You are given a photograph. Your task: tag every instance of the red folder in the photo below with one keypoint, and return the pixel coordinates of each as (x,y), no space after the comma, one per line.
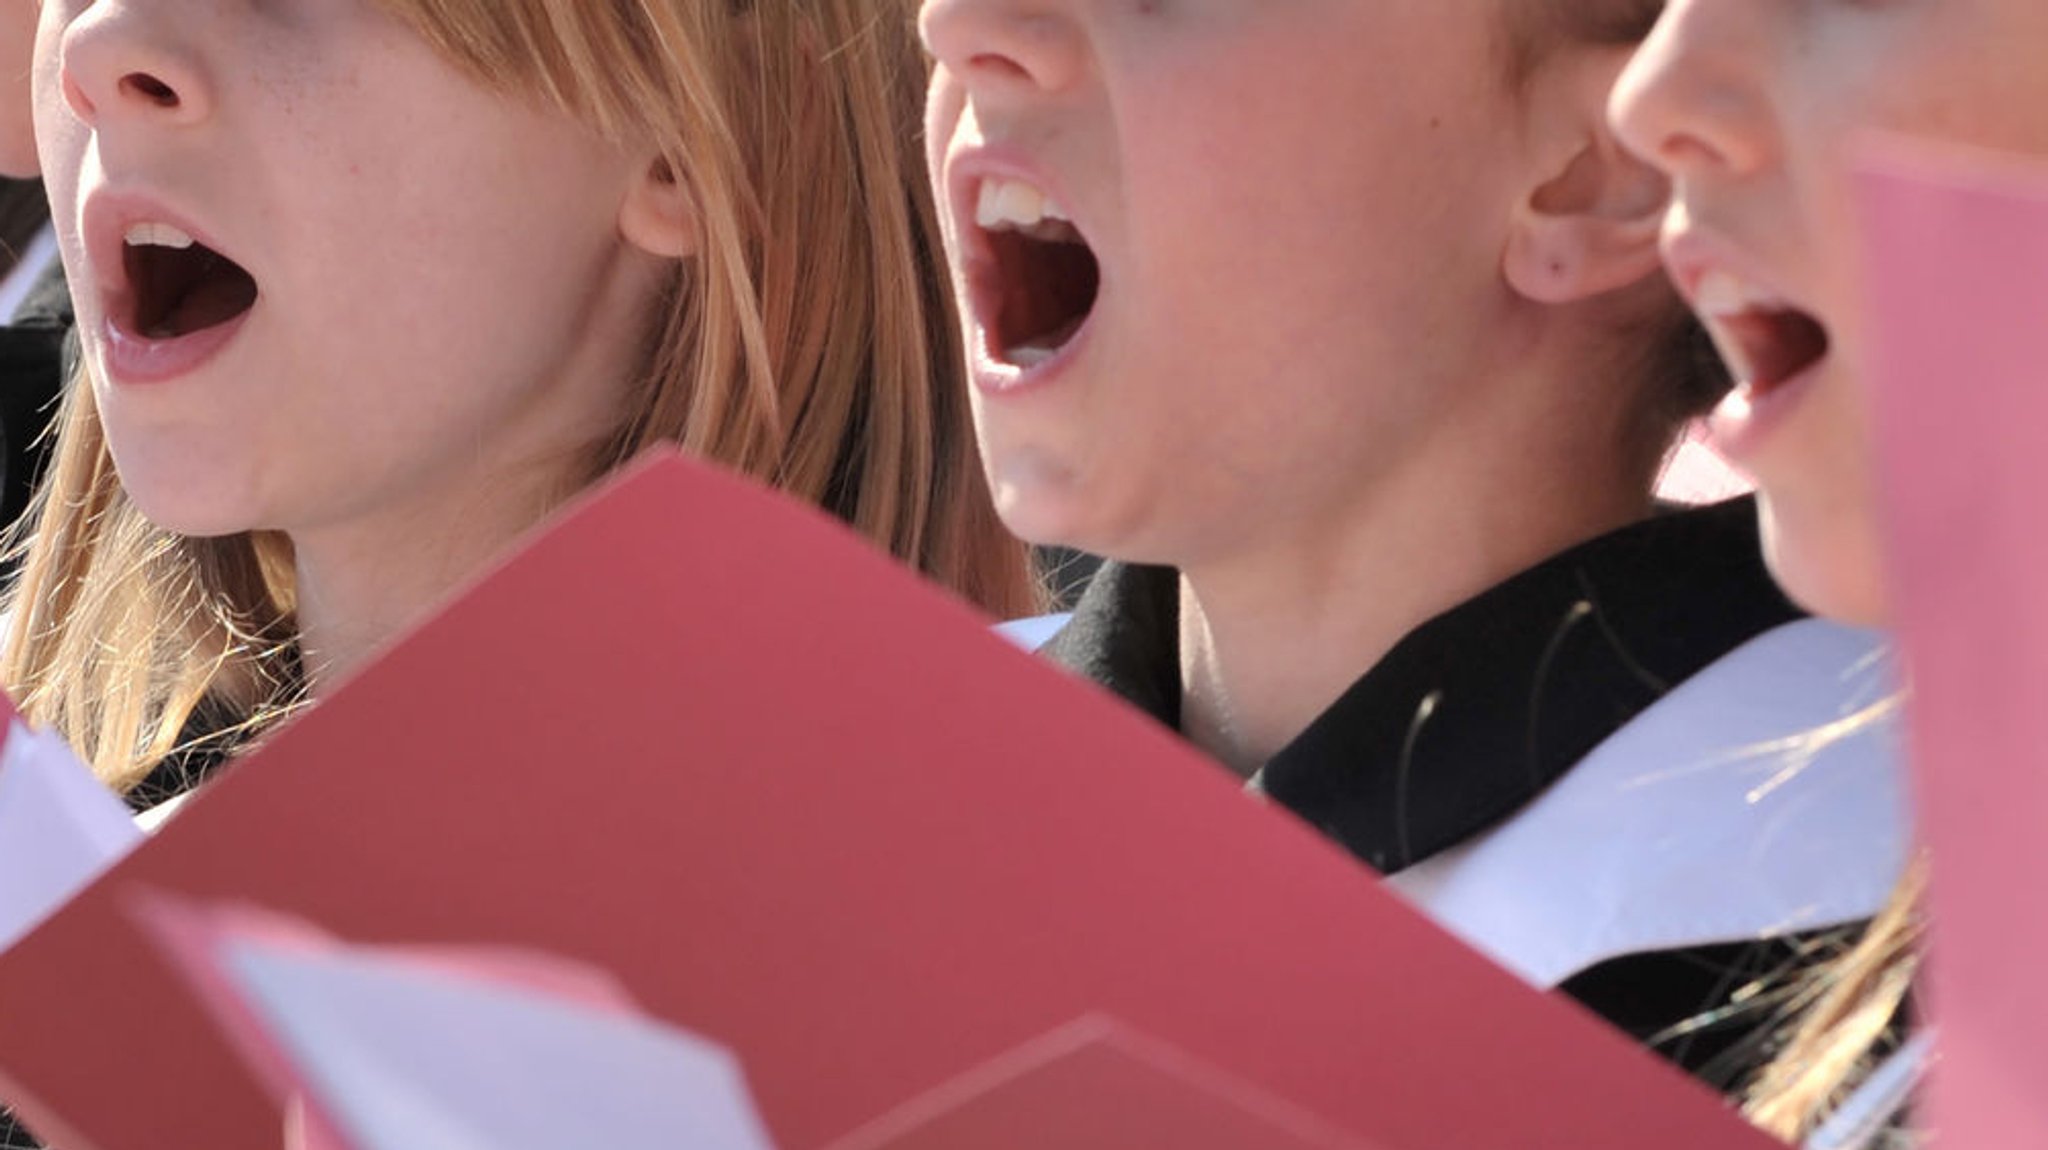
(1958,272)
(807,807)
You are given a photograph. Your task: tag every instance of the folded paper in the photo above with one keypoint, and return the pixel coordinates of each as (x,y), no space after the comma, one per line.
(387,1048)
(811,809)
(59,826)
(1957,265)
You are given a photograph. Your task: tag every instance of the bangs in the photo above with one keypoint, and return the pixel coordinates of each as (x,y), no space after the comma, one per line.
(612,63)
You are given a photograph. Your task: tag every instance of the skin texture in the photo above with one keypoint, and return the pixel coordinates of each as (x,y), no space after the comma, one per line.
(17,61)
(1751,107)
(1347,367)
(450,304)
(1207,189)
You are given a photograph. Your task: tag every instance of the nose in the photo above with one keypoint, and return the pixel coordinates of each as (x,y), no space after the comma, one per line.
(1005,47)
(1690,101)
(124,60)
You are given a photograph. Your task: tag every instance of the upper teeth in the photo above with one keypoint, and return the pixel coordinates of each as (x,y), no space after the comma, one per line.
(157,235)
(1013,203)
(1723,293)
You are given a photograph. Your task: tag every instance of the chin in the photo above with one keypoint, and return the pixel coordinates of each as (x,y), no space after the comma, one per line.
(192,523)
(195,510)
(193,486)
(1038,499)
(1831,567)
(1043,522)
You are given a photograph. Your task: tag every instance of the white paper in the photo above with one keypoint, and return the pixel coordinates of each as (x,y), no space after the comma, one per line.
(60,828)
(401,1056)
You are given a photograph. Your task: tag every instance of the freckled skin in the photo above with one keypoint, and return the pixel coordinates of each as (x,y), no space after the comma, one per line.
(407,369)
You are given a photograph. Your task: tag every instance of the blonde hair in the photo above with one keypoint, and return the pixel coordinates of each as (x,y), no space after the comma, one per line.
(810,345)
(1848,1009)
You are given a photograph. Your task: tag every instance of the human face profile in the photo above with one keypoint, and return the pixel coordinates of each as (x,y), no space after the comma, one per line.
(1218,275)
(325,280)
(1754,108)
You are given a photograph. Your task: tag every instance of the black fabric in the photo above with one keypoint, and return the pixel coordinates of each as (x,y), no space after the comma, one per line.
(37,352)
(208,742)
(1478,710)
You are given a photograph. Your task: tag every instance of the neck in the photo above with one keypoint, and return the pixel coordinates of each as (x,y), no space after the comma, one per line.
(1274,632)
(363,585)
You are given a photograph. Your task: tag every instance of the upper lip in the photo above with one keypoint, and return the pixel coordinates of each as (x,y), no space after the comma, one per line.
(1747,325)
(104,221)
(1691,255)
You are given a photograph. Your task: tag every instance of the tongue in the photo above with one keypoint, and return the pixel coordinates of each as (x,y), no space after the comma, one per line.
(220,295)
(188,291)
(1044,347)
(1780,345)
(1051,288)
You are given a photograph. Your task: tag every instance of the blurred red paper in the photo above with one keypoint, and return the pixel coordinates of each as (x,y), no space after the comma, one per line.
(1957,250)
(807,807)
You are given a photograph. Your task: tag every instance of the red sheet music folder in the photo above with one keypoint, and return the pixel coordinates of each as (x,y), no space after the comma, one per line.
(1957,246)
(809,808)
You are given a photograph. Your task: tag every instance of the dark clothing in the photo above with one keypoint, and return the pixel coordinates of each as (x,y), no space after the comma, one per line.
(38,352)
(1478,710)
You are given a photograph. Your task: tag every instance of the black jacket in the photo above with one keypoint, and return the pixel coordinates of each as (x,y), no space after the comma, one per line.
(1480,709)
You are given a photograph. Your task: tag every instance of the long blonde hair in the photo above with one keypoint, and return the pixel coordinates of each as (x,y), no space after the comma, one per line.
(810,345)
(1847,1011)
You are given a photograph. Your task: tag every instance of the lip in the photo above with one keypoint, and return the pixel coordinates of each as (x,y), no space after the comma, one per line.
(131,357)
(966,171)
(1745,421)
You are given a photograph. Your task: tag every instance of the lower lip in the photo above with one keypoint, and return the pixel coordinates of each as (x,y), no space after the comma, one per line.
(1744,423)
(996,378)
(134,359)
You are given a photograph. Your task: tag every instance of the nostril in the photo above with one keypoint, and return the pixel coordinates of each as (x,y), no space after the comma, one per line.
(150,88)
(998,64)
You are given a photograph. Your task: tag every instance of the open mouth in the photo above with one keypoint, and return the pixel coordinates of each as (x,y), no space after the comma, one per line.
(1767,341)
(1776,346)
(1043,280)
(179,286)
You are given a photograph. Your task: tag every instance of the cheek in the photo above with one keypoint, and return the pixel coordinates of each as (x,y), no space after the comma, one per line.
(945,102)
(1832,566)
(1822,509)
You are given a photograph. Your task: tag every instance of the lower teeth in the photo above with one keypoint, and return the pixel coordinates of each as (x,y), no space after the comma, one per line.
(1045,347)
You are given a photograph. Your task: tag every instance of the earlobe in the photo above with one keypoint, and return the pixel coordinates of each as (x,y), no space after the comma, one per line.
(1560,258)
(659,217)
(1590,224)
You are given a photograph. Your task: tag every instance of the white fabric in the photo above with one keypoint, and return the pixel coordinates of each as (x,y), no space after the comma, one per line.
(1033,633)
(15,289)
(1872,1110)
(1729,810)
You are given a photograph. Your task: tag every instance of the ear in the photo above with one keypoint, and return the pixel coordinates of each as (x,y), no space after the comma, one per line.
(659,216)
(1589,224)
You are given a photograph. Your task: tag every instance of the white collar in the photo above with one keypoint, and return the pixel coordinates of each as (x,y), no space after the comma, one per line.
(1727,811)
(35,259)
(1032,633)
